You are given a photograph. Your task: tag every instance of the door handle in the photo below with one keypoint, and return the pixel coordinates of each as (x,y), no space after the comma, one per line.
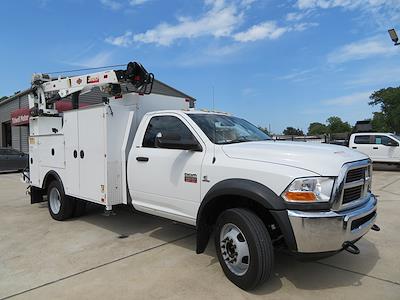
(354,147)
(376,148)
(141,158)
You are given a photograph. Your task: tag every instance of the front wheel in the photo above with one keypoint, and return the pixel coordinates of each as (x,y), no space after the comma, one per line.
(244,248)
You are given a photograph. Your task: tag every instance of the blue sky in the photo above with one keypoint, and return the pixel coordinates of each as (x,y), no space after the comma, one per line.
(284,63)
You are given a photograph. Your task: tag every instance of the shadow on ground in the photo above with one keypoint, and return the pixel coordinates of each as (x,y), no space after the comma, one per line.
(314,275)
(386,167)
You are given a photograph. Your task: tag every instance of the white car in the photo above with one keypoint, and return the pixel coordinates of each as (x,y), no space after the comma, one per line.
(380,147)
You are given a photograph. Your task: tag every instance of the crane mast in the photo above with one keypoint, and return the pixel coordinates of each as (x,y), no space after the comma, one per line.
(47,91)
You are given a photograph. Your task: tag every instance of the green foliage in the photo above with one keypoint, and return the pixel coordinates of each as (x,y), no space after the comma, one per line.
(317,128)
(379,123)
(293,131)
(336,125)
(265,130)
(389,101)
(3,98)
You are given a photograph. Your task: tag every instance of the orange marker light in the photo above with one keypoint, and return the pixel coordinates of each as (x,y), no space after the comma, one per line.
(300,196)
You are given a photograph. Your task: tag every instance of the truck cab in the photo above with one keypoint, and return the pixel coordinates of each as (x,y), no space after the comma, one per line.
(380,147)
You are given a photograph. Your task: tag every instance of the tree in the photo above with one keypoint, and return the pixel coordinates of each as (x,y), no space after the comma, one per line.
(3,98)
(336,125)
(265,130)
(293,131)
(379,123)
(389,101)
(317,128)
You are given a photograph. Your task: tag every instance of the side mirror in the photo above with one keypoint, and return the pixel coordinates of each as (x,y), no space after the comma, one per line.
(175,141)
(392,143)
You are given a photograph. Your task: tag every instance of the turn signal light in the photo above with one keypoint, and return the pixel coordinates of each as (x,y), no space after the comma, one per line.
(300,196)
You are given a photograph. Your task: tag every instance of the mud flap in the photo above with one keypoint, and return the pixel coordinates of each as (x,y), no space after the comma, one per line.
(36,195)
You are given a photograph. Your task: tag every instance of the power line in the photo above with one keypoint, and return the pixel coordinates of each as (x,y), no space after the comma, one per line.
(86,69)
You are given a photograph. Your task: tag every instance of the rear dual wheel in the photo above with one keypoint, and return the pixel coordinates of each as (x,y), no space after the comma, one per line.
(244,248)
(61,206)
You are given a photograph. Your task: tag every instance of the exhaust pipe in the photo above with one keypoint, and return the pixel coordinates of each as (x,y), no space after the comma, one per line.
(351,248)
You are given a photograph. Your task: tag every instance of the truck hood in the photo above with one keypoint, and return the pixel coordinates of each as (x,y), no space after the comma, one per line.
(323,159)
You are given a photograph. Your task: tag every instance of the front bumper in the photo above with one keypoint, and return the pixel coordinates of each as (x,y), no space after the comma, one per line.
(327,231)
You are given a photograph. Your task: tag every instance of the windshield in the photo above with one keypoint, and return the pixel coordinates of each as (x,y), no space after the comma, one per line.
(222,129)
(396,136)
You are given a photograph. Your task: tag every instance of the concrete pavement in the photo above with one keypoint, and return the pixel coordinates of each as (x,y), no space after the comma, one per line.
(136,256)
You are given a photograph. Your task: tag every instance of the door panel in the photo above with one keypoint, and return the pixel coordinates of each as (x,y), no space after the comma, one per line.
(167,180)
(71,181)
(92,154)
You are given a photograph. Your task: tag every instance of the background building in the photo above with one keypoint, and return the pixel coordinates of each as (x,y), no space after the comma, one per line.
(14,112)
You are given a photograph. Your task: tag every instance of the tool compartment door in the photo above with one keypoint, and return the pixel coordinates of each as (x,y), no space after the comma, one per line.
(92,154)
(70,128)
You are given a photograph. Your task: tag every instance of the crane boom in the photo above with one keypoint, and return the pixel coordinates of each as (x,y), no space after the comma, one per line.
(46,91)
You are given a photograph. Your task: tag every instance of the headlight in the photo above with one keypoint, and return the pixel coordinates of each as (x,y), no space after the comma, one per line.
(310,189)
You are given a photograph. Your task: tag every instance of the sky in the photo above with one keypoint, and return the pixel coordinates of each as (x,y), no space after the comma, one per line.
(275,63)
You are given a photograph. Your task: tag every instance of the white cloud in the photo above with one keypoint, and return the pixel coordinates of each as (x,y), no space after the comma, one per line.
(349,99)
(112,4)
(219,21)
(296,16)
(381,12)
(298,75)
(99,60)
(137,2)
(362,49)
(123,40)
(265,30)
(222,18)
(375,76)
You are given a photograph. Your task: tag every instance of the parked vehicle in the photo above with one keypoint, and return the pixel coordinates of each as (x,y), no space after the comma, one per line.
(12,160)
(380,147)
(211,170)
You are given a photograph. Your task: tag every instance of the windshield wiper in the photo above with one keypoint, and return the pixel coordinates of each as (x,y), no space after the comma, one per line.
(240,139)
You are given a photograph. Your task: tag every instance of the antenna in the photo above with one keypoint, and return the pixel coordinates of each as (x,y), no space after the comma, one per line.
(215,127)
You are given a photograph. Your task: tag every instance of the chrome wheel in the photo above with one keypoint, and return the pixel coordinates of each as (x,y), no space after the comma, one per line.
(55,200)
(234,249)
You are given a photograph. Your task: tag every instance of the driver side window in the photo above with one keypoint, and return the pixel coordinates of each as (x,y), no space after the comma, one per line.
(166,125)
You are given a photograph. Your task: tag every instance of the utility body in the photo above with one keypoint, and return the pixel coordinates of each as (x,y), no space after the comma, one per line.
(211,170)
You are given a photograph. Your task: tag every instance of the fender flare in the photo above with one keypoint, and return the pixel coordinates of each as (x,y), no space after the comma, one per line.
(253,190)
(46,178)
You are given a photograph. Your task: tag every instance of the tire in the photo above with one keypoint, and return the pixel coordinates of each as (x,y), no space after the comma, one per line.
(80,208)
(60,206)
(234,229)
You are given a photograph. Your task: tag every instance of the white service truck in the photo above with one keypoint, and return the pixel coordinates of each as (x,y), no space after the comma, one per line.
(211,170)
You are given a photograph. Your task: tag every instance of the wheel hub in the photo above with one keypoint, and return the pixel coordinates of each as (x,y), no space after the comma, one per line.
(55,200)
(234,249)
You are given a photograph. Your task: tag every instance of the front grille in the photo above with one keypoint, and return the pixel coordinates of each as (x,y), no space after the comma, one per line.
(352,194)
(357,223)
(355,174)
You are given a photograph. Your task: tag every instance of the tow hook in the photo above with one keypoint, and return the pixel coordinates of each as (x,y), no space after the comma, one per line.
(351,248)
(375,228)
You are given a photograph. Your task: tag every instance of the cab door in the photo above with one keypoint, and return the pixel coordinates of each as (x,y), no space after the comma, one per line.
(386,148)
(166,179)
(364,143)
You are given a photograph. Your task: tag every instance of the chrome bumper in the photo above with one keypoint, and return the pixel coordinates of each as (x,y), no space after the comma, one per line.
(327,231)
